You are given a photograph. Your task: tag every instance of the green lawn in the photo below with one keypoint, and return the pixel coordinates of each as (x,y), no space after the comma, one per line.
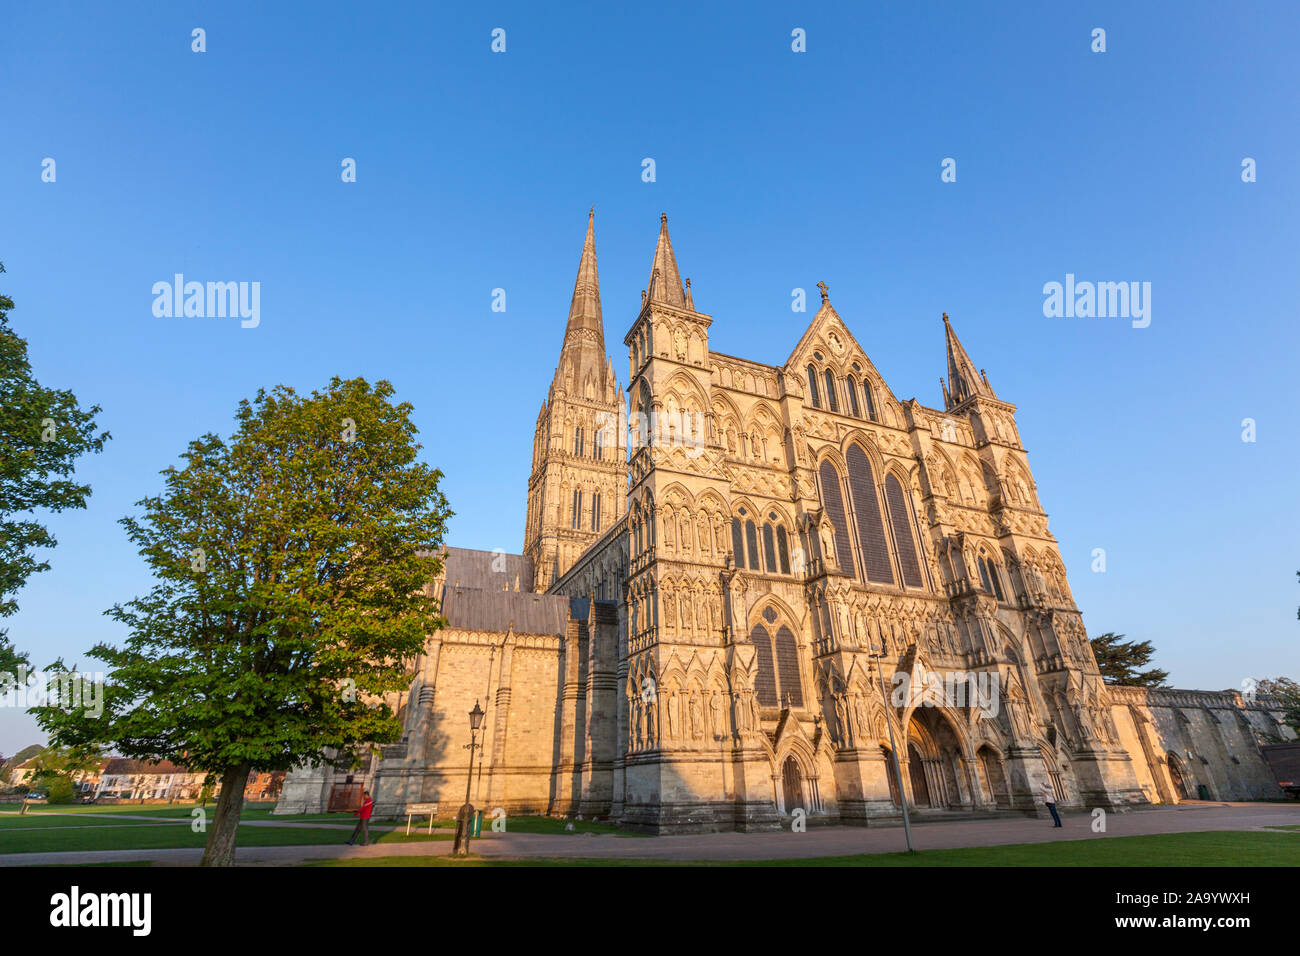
(149,836)
(44,821)
(1217,848)
(99,815)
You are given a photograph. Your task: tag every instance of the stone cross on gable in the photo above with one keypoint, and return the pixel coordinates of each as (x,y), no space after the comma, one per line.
(825,290)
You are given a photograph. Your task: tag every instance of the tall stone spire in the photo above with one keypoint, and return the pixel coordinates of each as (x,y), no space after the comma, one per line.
(578,485)
(582,357)
(963,380)
(665,281)
(584,308)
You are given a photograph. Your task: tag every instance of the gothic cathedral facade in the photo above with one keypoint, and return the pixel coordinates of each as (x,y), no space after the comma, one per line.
(749,591)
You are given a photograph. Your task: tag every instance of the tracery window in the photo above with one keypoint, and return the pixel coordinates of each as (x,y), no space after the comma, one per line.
(900,517)
(851,386)
(833,504)
(871,527)
(831,400)
(783,547)
(769,549)
(812,387)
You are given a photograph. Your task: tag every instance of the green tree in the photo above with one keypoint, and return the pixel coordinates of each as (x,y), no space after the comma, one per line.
(42,433)
(1120,661)
(55,767)
(20,758)
(1287,693)
(292,567)
(57,787)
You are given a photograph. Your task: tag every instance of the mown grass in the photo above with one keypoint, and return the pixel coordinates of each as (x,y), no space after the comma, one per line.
(1214,848)
(156,837)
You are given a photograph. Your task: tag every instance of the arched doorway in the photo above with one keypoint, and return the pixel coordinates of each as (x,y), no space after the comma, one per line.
(934,760)
(1178,775)
(792,785)
(916,775)
(994,780)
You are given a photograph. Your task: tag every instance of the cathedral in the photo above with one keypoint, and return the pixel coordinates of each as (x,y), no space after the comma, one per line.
(753,591)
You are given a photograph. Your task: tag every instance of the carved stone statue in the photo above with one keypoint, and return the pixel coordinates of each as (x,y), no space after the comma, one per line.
(742,714)
(828,545)
(841,718)
(697,718)
(860,711)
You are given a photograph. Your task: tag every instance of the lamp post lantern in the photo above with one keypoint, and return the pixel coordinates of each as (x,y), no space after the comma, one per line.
(893,750)
(465,818)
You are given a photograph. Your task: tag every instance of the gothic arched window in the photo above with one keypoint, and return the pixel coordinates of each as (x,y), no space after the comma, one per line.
(765,680)
(737,543)
(900,517)
(866,508)
(851,386)
(871,406)
(783,546)
(833,504)
(989,576)
(787,667)
(812,387)
(751,539)
(769,548)
(831,401)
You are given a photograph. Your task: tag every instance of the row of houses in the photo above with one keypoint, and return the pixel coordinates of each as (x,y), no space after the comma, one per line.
(122,778)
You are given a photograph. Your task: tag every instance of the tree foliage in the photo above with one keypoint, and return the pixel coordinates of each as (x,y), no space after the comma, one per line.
(1120,661)
(54,769)
(292,566)
(1287,693)
(42,433)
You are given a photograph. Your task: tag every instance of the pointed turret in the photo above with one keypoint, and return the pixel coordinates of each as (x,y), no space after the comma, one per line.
(963,380)
(665,281)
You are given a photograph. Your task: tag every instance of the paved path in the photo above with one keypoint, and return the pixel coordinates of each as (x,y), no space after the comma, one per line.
(818,841)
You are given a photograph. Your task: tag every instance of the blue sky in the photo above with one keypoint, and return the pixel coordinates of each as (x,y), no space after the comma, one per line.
(777,169)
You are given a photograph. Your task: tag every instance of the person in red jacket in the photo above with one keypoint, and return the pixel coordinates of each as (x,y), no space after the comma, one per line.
(363,820)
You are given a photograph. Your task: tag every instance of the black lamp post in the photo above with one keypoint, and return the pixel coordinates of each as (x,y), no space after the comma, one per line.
(893,750)
(465,817)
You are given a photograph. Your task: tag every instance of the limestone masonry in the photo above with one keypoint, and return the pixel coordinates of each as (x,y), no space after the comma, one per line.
(729,621)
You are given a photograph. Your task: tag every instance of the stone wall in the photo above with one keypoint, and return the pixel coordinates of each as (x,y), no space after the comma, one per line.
(1183,740)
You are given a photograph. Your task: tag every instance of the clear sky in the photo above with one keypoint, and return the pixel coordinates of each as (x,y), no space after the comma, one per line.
(777,169)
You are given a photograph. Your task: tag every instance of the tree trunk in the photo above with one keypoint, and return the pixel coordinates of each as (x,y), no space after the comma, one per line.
(220,850)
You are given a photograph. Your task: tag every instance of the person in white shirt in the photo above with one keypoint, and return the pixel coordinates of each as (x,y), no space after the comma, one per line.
(1049,797)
